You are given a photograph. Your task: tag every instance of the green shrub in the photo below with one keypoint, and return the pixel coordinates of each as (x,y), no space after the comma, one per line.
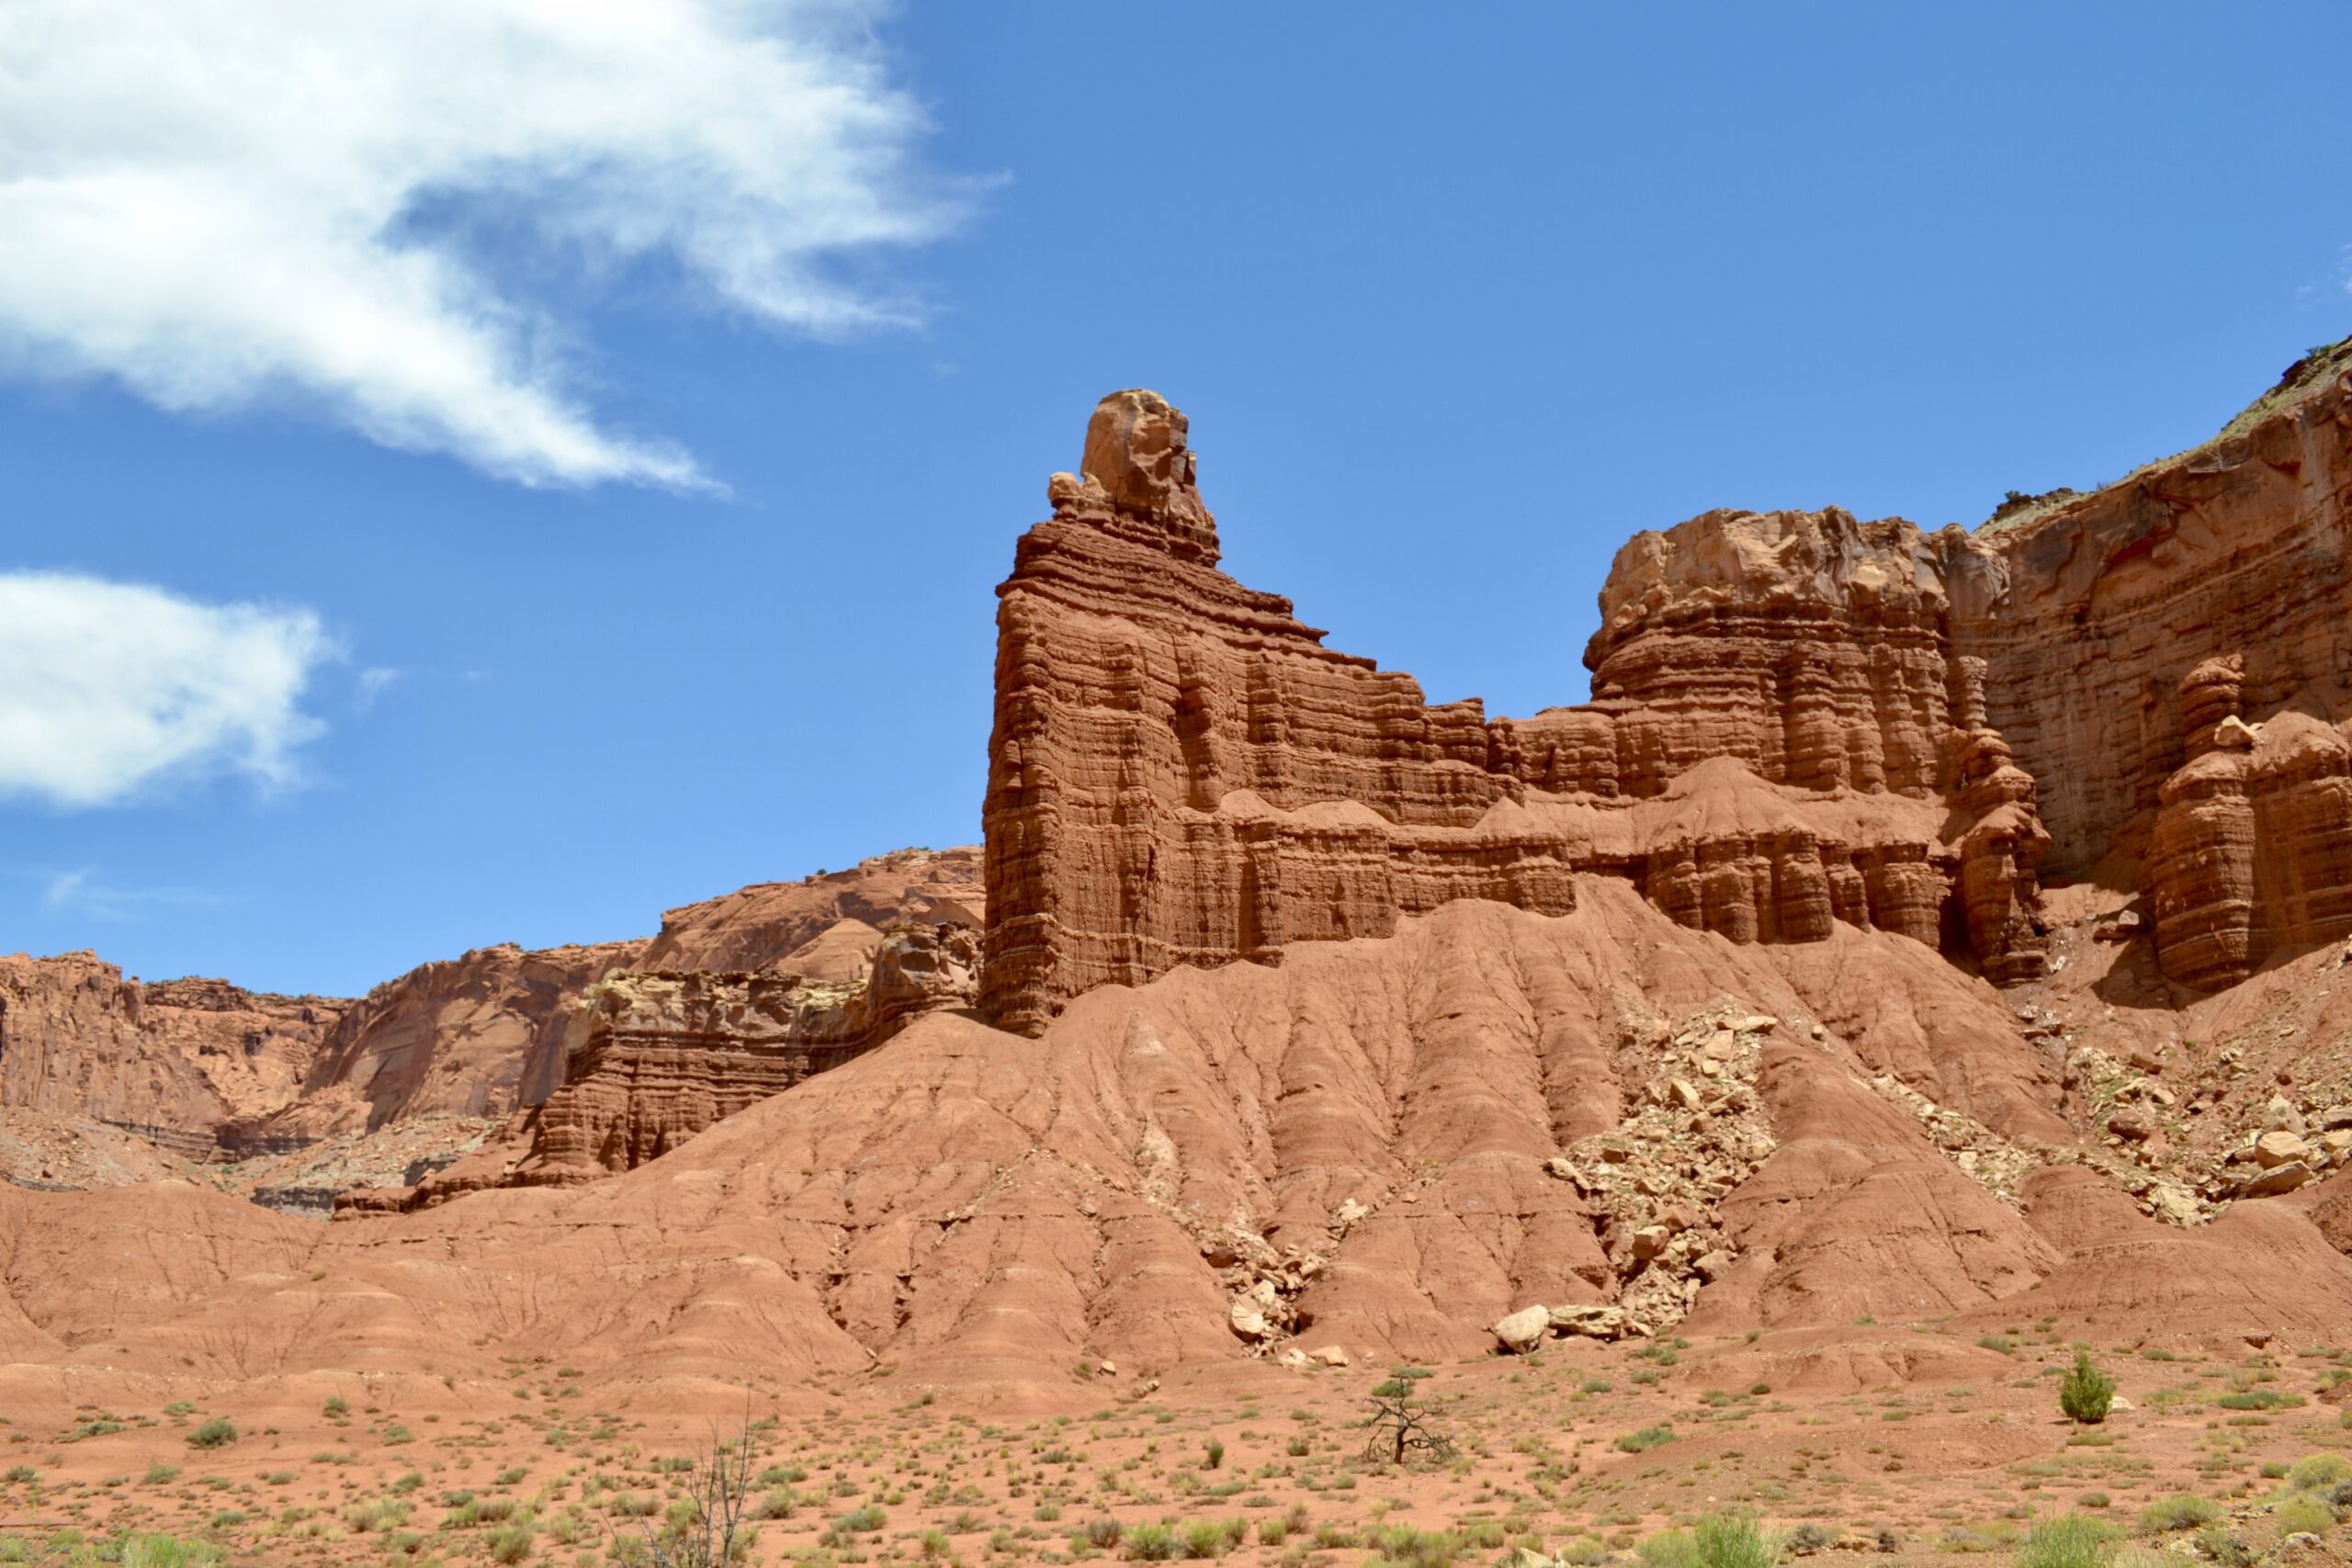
(2260,1399)
(2085,1392)
(1649,1438)
(1732,1540)
(1401,1546)
(2315,1470)
(1204,1539)
(862,1521)
(1102,1533)
(1808,1538)
(1670,1549)
(510,1542)
(2221,1544)
(20,1473)
(1153,1543)
(1274,1532)
(167,1551)
(380,1515)
(2182,1511)
(2300,1513)
(215,1433)
(1213,1453)
(2071,1541)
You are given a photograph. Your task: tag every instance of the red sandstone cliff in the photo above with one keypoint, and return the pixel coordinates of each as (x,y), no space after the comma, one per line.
(1783,736)
(209,1070)
(653,1057)
(178,1060)
(2172,656)
(1797,718)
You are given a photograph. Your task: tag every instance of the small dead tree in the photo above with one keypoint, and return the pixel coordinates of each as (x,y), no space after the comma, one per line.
(718,1532)
(1402,1425)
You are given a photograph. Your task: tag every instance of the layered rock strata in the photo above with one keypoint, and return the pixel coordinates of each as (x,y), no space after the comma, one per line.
(2101,608)
(653,1057)
(2252,846)
(485,1035)
(179,1062)
(1782,737)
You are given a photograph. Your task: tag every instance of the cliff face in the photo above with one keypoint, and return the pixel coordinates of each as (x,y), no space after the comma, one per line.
(212,1071)
(2171,656)
(484,1034)
(178,1060)
(1797,718)
(1783,736)
(654,1057)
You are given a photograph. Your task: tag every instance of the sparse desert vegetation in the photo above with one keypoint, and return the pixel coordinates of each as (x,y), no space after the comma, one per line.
(1564,1461)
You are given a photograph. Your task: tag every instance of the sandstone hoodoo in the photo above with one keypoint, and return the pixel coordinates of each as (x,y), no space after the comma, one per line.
(1783,735)
(1796,718)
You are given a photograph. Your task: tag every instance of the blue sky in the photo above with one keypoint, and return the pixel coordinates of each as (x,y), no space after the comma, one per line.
(620,515)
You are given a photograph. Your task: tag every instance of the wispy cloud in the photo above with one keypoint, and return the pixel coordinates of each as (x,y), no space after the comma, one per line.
(109,689)
(82,892)
(219,201)
(374,681)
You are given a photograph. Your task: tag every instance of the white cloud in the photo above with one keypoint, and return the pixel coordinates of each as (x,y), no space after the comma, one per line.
(110,688)
(222,201)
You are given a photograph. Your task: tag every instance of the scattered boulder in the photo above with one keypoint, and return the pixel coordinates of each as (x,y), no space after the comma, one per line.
(1523,1330)
(2120,926)
(2274,1149)
(2277,1178)
(1594,1322)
